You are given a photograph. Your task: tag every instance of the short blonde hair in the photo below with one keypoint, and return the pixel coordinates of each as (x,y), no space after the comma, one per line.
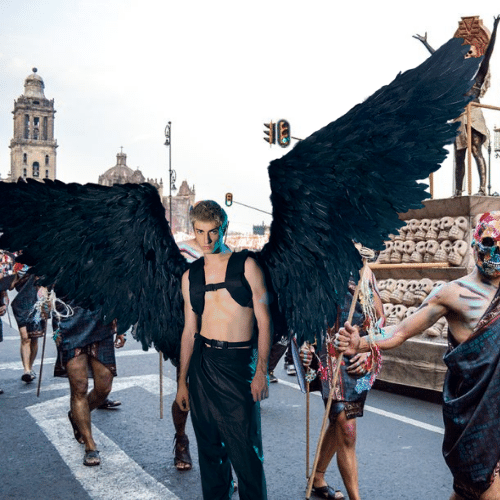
(209,211)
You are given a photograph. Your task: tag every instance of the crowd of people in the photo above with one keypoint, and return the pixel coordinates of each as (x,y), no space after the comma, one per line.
(224,370)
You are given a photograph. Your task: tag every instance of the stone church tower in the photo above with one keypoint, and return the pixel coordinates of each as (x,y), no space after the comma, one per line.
(33,148)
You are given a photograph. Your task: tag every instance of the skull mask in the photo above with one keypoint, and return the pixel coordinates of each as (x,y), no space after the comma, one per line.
(486,245)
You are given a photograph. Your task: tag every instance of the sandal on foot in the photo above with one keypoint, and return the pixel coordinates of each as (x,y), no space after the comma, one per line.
(91,458)
(76,432)
(27,377)
(108,403)
(182,457)
(327,492)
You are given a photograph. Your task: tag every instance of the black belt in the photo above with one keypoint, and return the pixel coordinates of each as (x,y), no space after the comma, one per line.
(222,344)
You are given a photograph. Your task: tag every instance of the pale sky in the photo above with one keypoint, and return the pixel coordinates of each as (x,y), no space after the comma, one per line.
(119,70)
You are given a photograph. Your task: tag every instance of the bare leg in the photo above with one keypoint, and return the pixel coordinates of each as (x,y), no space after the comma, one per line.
(25,349)
(346,455)
(328,449)
(103,382)
(33,351)
(182,457)
(477,143)
(459,170)
(79,405)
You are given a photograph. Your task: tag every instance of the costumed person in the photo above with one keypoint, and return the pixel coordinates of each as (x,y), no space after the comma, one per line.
(471,392)
(86,344)
(356,377)
(112,248)
(479,130)
(222,362)
(31,320)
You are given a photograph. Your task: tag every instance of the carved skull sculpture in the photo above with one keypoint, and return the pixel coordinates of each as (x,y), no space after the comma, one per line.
(397,314)
(412,229)
(458,252)
(444,228)
(397,252)
(409,248)
(422,230)
(418,255)
(409,298)
(388,309)
(433,231)
(410,311)
(431,247)
(444,250)
(397,295)
(458,229)
(390,286)
(385,255)
(437,329)
(423,290)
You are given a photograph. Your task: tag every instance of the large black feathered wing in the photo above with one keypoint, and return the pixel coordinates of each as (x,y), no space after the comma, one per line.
(350,180)
(102,247)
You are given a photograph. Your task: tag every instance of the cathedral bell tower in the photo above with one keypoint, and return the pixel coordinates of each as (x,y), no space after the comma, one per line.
(33,147)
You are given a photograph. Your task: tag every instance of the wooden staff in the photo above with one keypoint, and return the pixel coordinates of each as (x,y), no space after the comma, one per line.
(161,385)
(469,150)
(41,363)
(332,390)
(307,429)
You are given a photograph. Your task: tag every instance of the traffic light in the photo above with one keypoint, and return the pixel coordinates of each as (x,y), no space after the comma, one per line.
(229,199)
(271,133)
(284,133)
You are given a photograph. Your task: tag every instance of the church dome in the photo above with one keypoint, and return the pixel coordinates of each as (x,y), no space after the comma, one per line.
(121,173)
(33,86)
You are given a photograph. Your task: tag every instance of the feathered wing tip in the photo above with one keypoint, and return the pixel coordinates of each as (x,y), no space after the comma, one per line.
(352,178)
(107,248)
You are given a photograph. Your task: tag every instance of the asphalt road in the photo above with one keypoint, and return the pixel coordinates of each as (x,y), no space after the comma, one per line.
(399,438)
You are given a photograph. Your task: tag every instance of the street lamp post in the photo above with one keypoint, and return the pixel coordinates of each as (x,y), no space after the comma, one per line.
(171,173)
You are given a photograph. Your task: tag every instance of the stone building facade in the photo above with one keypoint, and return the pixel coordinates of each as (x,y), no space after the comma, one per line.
(33,147)
(181,206)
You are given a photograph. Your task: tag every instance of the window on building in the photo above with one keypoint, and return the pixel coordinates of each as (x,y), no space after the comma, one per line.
(46,159)
(25,158)
(26,126)
(25,172)
(36,169)
(36,128)
(46,174)
(45,130)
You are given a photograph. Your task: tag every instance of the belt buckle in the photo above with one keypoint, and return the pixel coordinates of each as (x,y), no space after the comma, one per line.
(219,344)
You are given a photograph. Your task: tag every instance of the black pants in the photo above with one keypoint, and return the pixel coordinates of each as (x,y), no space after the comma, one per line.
(226,422)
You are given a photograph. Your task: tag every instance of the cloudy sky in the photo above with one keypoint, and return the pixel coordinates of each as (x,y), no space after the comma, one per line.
(119,70)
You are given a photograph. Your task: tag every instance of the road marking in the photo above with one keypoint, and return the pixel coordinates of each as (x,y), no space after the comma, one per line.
(383,413)
(16,365)
(150,383)
(118,476)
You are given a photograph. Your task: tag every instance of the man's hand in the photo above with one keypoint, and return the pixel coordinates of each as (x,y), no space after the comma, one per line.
(182,397)
(259,386)
(120,341)
(3,310)
(306,354)
(347,339)
(358,364)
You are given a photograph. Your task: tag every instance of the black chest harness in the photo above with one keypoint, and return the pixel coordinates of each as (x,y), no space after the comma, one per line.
(235,282)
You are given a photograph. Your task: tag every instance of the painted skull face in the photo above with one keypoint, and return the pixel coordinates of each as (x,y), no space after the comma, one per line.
(486,244)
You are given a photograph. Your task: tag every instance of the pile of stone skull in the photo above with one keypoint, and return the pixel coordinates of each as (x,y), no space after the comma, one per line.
(428,240)
(401,298)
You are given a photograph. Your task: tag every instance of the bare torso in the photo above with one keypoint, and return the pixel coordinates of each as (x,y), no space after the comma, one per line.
(223,318)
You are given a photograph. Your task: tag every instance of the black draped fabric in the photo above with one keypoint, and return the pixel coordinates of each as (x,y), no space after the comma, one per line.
(226,421)
(471,406)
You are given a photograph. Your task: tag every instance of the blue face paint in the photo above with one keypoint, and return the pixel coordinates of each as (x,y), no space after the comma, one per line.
(488,259)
